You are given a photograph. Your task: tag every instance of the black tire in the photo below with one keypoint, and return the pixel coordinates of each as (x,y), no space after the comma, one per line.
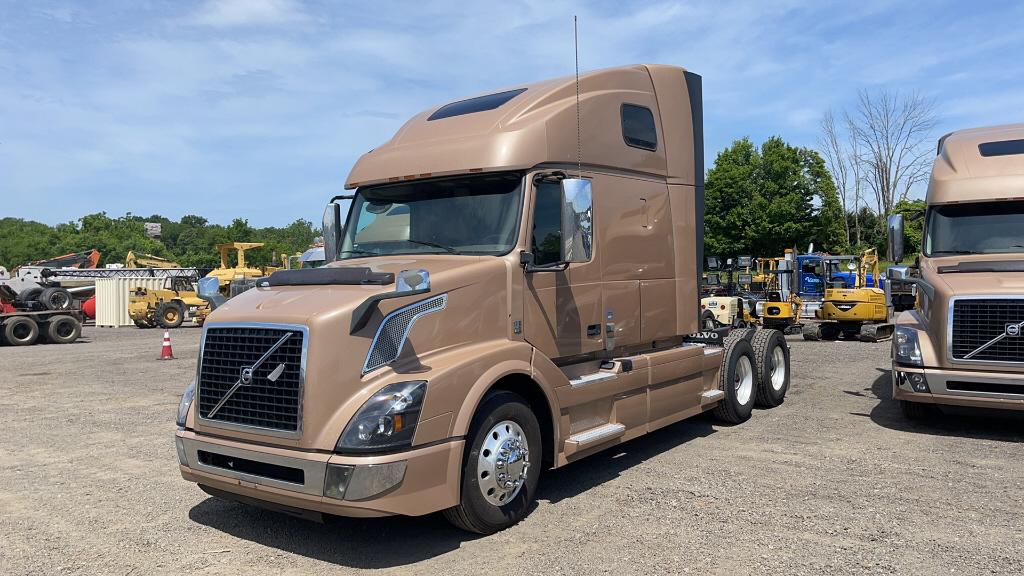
(743,333)
(21,331)
(144,323)
(708,321)
(54,298)
(63,330)
(771,385)
(29,295)
(917,410)
(169,315)
(733,409)
(474,512)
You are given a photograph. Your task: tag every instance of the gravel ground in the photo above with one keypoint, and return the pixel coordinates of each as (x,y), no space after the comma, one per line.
(834,481)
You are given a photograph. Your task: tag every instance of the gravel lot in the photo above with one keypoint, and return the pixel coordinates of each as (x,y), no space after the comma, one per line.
(831,482)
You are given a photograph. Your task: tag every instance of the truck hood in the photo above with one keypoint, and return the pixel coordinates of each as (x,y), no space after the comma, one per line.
(335,387)
(971,275)
(976,274)
(315,304)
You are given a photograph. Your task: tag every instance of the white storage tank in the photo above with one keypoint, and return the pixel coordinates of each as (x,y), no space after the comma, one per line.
(112,296)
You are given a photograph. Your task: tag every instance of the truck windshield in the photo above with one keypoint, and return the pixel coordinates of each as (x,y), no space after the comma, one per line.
(977,228)
(476,215)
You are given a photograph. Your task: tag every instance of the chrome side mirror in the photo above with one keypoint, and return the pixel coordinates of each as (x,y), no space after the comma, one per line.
(577,220)
(208,286)
(898,273)
(332,232)
(208,289)
(895,226)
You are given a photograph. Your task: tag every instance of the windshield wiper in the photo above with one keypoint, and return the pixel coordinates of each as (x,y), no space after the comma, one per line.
(956,252)
(448,249)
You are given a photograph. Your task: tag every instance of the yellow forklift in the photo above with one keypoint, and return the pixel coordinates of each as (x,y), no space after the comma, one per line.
(729,304)
(857,313)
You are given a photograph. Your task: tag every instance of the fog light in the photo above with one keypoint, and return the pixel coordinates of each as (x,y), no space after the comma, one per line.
(371,480)
(336,482)
(181,451)
(917,381)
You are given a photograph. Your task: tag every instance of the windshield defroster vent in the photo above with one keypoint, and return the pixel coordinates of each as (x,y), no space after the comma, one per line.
(394,329)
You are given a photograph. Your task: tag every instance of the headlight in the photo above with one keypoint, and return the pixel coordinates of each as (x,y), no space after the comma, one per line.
(186,401)
(905,347)
(386,421)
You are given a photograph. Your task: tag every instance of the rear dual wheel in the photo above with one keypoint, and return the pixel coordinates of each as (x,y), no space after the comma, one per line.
(737,380)
(63,330)
(755,370)
(20,331)
(771,354)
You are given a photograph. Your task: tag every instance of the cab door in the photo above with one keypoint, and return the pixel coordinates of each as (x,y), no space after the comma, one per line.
(562,308)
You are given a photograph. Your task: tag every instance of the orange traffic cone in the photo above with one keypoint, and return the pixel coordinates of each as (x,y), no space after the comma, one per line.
(165,351)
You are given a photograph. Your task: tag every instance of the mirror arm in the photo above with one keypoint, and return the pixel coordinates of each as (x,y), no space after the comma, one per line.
(342,197)
(526,261)
(553,176)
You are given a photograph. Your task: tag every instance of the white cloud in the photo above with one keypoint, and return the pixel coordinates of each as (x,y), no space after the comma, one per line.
(232,13)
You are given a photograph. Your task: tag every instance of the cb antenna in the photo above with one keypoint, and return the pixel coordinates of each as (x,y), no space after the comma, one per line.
(579,138)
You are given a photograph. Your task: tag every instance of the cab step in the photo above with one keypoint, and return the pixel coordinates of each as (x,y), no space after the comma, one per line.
(595,436)
(711,396)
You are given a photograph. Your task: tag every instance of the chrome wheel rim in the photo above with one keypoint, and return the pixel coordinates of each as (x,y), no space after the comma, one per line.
(60,301)
(503,462)
(778,367)
(744,380)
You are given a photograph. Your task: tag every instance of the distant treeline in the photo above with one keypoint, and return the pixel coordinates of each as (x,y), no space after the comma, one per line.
(190,241)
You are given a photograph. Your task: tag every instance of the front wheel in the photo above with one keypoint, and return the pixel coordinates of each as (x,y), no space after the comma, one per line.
(169,315)
(500,466)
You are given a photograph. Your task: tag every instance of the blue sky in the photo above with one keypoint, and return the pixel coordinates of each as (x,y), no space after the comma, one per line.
(258,108)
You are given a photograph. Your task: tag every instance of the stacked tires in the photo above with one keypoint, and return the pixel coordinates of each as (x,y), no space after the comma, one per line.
(755,371)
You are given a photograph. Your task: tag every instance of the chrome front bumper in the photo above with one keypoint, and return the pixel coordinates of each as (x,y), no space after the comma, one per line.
(965,388)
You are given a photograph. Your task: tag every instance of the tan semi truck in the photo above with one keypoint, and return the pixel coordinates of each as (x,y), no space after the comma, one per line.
(495,306)
(962,343)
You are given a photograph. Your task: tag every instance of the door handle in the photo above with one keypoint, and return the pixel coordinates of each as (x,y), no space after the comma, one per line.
(593,330)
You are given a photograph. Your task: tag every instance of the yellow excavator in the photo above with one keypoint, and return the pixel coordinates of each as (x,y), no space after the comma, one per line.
(861,312)
(781,307)
(133,260)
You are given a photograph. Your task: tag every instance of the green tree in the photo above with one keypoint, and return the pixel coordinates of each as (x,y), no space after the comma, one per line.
(761,201)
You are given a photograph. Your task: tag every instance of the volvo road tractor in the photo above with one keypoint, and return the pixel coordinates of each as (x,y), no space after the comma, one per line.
(501,301)
(963,343)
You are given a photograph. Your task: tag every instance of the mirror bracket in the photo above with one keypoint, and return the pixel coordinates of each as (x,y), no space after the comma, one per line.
(526,261)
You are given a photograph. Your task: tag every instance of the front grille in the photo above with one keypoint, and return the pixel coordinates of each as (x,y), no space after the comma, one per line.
(261,403)
(978,322)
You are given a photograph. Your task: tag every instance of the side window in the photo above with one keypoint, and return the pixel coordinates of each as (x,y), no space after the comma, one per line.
(638,127)
(547,224)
